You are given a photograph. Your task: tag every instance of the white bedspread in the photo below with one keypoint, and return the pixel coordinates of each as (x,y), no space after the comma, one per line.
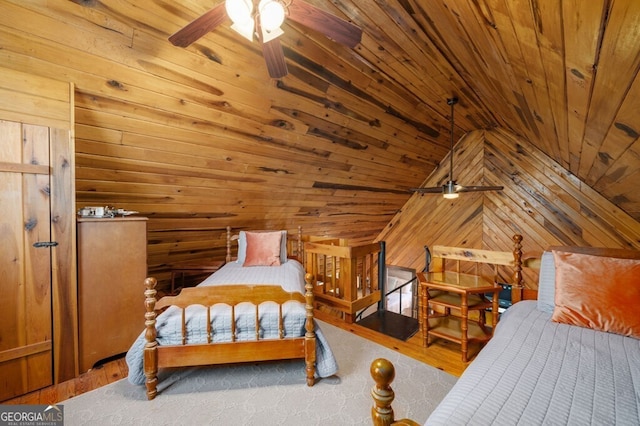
(290,275)
(535,371)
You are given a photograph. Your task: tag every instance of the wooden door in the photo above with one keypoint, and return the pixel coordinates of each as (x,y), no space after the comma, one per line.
(26,350)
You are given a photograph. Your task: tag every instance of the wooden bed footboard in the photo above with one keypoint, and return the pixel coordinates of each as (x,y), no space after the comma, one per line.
(210,353)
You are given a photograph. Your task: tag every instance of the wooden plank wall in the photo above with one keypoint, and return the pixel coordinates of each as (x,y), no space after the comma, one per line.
(200,138)
(563,74)
(196,146)
(541,200)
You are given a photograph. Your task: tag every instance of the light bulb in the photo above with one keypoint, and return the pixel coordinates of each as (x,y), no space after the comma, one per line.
(449,190)
(271,15)
(239,10)
(241,13)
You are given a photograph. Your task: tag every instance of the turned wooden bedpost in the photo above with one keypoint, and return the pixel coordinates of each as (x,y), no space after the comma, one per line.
(383,373)
(228,258)
(423,309)
(310,335)
(151,345)
(516,295)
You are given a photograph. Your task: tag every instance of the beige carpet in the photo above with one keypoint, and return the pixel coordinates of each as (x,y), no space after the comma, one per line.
(271,393)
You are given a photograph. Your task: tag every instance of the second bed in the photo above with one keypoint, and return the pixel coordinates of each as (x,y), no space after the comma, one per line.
(246,311)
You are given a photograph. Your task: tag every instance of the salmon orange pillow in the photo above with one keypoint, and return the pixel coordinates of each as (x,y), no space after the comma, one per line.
(263,248)
(602,293)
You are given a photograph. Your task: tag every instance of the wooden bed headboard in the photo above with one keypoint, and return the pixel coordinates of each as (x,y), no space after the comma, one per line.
(442,257)
(620,253)
(534,262)
(294,247)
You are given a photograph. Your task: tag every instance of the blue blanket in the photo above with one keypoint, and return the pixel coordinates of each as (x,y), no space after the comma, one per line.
(535,371)
(290,275)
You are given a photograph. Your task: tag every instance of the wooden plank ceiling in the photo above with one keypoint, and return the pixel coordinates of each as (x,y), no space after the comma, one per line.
(200,137)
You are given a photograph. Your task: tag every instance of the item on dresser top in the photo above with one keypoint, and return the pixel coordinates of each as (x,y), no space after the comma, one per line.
(91,212)
(104,212)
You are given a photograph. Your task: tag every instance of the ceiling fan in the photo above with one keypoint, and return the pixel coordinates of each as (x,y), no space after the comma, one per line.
(264,19)
(451,189)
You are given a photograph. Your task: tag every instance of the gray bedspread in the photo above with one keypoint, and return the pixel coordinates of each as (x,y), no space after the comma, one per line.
(290,275)
(538,372)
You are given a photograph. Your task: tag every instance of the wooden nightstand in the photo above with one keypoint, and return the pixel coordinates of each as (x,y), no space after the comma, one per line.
(461,278)
(197,266)
(465,292)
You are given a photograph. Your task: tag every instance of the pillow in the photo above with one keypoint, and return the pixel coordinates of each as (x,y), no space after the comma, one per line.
(263,248)
(242,246)
(547,283)
(547,278)
(602,293)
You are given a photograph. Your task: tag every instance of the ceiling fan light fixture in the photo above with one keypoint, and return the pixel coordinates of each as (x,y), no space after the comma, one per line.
(245,29)
(239,10)
(271,14)
(262,19)
(267,36)
(241,13)
(449,190)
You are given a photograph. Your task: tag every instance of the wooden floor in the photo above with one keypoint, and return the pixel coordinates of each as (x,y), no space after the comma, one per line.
(108,372)
(440,354)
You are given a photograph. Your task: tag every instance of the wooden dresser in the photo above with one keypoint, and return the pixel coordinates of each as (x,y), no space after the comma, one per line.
(112,266)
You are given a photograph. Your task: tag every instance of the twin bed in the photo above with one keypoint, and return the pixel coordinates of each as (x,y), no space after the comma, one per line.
(256,308)
(571,357)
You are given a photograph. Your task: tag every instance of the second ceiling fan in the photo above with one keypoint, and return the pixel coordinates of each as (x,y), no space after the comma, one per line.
(451,189)
(264,20)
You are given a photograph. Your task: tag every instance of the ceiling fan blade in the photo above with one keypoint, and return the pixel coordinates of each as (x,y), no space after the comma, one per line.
(199,26)
(335,28)
(433,190)
(274,57)
(478,188)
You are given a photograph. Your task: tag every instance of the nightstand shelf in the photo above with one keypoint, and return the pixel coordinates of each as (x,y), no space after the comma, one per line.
(440,292)
(452,300)
(449,327)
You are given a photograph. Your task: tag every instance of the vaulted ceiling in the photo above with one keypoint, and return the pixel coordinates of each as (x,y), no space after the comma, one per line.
(563,75)
(200,137)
